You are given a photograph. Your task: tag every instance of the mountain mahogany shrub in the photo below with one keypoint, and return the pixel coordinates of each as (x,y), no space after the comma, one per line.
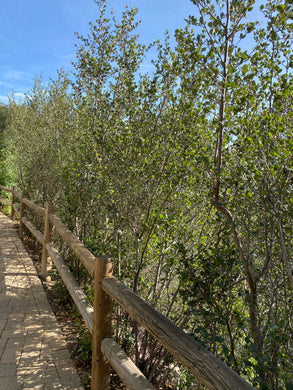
(141,150)
(37,136)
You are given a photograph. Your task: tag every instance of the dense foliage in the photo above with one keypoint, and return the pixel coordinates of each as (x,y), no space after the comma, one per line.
(184,175)
(4,123)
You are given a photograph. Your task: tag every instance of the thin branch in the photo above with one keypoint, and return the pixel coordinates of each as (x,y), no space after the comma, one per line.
(285,254)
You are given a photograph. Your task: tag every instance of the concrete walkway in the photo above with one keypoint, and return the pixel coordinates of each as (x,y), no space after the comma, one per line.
(33,352)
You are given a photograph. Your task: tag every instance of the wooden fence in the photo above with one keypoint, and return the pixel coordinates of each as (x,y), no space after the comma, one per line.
(206,367)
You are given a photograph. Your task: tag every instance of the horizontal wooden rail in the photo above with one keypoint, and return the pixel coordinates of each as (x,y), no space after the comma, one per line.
(17,194)
(79,297)
(5,189)
(83,254)
(124,366)
(205,366)
(38,209)
(36,233)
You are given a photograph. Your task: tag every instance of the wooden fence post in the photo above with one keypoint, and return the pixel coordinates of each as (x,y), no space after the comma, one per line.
(12,201)
(101,325)
(22,215)
(47,238)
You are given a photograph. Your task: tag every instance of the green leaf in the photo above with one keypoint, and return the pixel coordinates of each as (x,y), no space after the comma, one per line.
(245,68)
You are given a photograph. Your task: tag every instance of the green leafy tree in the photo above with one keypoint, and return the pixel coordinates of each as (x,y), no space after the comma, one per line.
(250,176)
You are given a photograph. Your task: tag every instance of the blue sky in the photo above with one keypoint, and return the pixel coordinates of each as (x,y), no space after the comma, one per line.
(37,36)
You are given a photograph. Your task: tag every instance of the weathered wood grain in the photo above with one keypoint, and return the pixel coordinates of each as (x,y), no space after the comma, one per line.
(101,326)
(5,189)
(206,367)
(84,255)
(38,209)
(130,375)
(16,193)
(47,239)
(36,233)
(78,296)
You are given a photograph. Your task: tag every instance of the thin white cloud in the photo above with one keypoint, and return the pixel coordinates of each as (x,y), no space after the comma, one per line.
(15,75)
(65,57)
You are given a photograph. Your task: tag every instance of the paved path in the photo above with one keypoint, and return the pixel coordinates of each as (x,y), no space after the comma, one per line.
(33,352)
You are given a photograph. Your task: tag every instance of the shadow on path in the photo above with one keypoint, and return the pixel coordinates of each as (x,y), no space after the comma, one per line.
(33,352)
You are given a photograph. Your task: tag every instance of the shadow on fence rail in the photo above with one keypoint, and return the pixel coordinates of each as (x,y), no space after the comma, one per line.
(206,367)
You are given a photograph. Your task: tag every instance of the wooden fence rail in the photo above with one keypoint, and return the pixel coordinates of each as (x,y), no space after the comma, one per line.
(206,367)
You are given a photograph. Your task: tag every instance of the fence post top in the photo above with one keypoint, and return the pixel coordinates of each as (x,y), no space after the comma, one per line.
(103,266)
(104,258)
